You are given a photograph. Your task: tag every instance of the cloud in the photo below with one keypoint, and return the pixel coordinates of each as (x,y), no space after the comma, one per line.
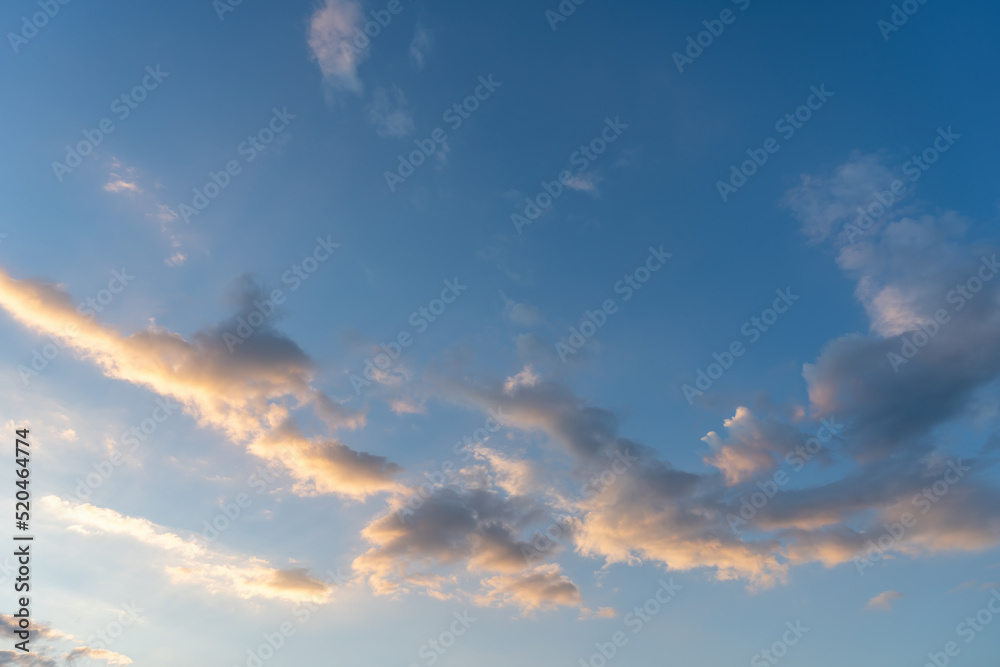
(177,259)
(621,502)
(601,612)
(585,182)
(456,528)
(164,213)
(118,182)
(647,510)
(542,588)
(521,314)
(480,520)
(420,46)
(389,114)
(526,378)
(824,203)
(753,446)
(653,512)
(883,601)
(408,406)
(249,393)
(331,31)
(125,179)
(119,185)
(907,277)
(659,514)
(325,466)
(40,654)
(187,561)
(110,657)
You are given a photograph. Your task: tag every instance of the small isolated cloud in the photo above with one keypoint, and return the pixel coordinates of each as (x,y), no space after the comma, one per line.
(177,259)
(408,406)
(122,179)
(628,157)
(883,601)
(331,30)
(164,213)
(543,588)
(125,179)
(420,46)
(520,313)
(388,113)
(585,182)
(600,612)
(118,184)
(526,378)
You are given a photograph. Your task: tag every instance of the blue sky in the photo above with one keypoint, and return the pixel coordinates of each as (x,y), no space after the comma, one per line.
(250,264)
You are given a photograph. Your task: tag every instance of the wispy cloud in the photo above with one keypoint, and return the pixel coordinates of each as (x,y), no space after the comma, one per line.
(185,560)
(585,182)
(883,601)
(389,114)
(420,46)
